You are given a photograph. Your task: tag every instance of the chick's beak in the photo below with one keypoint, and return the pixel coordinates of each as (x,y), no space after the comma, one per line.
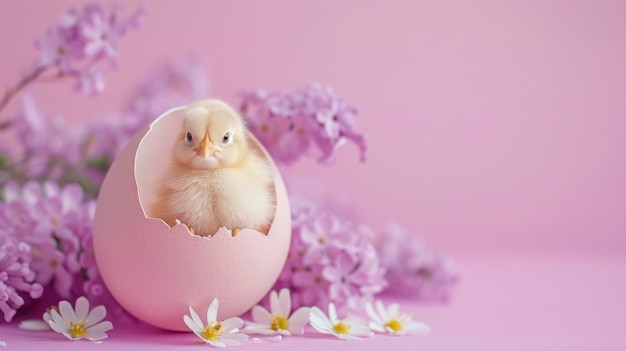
(206,147)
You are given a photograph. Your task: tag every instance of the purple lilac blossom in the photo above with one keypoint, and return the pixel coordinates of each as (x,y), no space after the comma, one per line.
(289,123)
(17,279)
(82,37)
(414,269)
(330,259)
(54,222)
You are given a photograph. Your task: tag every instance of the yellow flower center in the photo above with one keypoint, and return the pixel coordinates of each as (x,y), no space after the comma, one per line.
(279,323)
(341,328)
(394,325)
(77,330)
(212,331)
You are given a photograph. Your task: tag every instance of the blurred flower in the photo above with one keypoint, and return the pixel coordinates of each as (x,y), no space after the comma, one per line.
(81,38)
(350,328)
(79,322)
(413,268)
(287,124)
(16,276)
(280,320)
(91,82)
(390,320)
(54,222)
(216,333)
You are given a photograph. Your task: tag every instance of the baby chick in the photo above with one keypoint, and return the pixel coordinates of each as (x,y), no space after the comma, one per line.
(215,179)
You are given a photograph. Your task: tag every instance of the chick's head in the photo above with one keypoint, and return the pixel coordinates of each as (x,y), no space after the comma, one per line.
(213,136)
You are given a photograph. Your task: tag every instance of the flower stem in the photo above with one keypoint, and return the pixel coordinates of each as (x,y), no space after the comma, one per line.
(29,78)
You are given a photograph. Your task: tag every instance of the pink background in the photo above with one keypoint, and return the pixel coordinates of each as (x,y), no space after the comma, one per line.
(496,128)
(493,125)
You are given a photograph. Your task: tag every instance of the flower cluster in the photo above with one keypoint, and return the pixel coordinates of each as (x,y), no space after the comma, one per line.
(16,276)
(330,259)
(413,268)
(52,225)
(288,124)
(82,37)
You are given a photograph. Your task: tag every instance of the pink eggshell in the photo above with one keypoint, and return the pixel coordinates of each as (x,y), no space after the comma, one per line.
(156,272)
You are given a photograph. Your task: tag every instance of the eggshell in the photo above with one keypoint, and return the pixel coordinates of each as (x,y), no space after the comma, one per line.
(156,272)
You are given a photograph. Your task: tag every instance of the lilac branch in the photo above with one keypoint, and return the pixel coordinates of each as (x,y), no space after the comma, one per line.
(29,78)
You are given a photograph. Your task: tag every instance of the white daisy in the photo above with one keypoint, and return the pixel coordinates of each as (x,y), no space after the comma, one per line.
(280,320)
(79,323)
(3,343)
(350,328)
(216,333)
(392,322)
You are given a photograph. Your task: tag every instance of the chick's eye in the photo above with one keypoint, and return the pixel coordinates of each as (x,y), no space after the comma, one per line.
(227,139)
(189,138)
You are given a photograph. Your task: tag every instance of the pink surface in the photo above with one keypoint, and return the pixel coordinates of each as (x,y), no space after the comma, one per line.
(505,302)
(496,128)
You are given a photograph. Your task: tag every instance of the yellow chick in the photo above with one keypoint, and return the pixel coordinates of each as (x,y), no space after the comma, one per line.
(215,179)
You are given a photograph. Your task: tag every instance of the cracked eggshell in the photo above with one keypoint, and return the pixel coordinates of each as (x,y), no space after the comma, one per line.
(156,272)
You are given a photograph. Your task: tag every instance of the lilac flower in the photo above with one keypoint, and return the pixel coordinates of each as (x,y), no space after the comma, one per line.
(330,259)
(16,276)
(288,124)
(81,38)
(100,35)
(58,48)
(413,268)
(55,227)
(90,82)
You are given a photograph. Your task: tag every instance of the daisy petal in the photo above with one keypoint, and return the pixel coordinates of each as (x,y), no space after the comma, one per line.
(34,324)
(211,313)
(347,337)
(54,326)
(275,338)
(238,337)
(332,313)
(191,324)
(82,308)
(380,309)
(284,300)
(319,321)
(377,327)
(369,309)
(101,327)
(56,318)
(360,330)
(298,320)
(97,336)
(195,318)
(275,304)
(96,315)
(67,312)
(258,328)
(231,324)
(416,328)
(261,315)
(393,311)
